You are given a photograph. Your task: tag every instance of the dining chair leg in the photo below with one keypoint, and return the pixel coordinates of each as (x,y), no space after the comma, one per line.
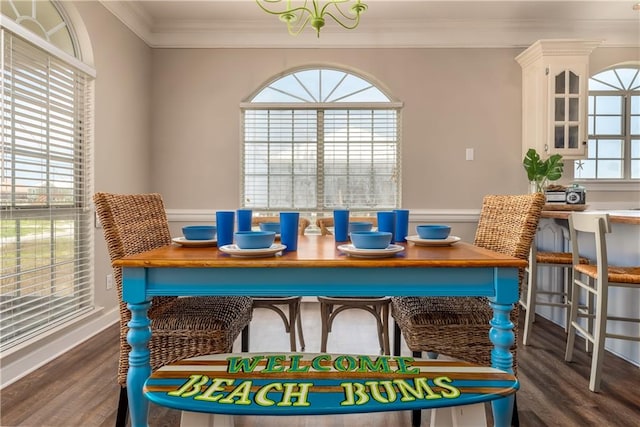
(590,306)
(599,334)
(416,417)
(385,329)
(515,419)
(378,314)
(530,305)
(566,280)
(293,313)
(123,408)
(573,319)
(299,326)
(397,335)
(324,314)
(244,339)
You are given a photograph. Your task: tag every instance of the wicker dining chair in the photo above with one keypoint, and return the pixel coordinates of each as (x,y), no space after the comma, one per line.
(331,306)
(293,318)
(459,326)
(181,327)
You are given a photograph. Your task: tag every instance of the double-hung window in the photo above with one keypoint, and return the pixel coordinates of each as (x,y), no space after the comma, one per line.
(45,174)
(317,139)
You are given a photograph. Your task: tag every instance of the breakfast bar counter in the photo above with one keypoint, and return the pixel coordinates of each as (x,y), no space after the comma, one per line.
(623,249)
(626,216)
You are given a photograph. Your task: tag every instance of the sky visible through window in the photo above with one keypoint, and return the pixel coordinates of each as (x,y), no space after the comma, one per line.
(342,150)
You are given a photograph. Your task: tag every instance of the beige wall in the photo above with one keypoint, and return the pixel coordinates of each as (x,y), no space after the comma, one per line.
(122,118)
(453,99)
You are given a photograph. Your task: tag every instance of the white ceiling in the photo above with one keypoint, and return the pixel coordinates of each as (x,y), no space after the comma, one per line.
(386,23)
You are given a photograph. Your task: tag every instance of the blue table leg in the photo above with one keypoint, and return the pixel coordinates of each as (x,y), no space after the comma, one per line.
(502,337)
(139,368)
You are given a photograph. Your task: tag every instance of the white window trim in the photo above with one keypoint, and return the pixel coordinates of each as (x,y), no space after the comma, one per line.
(21,31)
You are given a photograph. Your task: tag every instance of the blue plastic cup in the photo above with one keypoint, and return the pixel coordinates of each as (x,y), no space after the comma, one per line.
(402,225)
(289,230)
(387,222)
(341,225)
(225,224)
(244,219)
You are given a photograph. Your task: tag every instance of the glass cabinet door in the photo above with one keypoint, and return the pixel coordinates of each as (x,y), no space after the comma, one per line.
(566,115)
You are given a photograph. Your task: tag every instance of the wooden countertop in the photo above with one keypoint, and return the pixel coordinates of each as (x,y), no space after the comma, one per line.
(629,216)
(321,251)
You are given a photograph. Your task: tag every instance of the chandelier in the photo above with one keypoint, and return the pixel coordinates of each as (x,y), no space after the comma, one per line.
(310,12)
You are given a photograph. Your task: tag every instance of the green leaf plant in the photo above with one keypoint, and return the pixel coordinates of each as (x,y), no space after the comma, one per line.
(541,171)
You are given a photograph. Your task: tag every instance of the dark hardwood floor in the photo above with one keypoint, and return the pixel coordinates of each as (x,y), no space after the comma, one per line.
(79,388)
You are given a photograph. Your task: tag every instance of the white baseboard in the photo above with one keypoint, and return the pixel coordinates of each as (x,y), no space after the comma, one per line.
(21,362)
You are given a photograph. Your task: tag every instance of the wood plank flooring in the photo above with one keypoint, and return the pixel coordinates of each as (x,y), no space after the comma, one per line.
(79,388)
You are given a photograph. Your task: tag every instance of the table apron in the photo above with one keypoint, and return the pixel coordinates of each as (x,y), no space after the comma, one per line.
(499,284)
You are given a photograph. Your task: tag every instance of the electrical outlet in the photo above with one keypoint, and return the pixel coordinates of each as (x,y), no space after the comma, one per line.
(109,282)
(469,154)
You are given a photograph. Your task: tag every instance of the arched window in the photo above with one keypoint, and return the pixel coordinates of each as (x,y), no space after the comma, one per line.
(316,139)
(45,173)
(613,151)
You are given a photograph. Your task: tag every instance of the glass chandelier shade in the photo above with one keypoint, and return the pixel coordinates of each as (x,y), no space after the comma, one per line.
(310,12)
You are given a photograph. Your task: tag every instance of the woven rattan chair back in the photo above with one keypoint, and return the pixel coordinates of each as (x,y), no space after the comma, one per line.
(458,327)
(181,327)
(132,224)
(508,224)
(303,223)
(324,223)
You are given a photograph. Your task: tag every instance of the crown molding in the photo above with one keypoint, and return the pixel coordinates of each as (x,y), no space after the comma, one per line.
(133,16)
(430,33)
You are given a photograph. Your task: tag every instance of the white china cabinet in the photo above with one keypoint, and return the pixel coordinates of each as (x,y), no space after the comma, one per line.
(555,74)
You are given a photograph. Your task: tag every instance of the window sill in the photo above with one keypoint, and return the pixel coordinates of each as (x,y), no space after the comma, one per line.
(609,185)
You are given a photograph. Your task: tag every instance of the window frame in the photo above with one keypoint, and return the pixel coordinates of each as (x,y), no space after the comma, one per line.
(626,183)
(76,214)
(321,108)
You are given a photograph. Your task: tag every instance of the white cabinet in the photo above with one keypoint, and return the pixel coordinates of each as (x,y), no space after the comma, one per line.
(555,74)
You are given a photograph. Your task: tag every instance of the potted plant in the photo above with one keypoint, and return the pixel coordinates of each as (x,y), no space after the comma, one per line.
(540,172)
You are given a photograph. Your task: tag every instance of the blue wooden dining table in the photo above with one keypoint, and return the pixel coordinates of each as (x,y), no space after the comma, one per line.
(318,268)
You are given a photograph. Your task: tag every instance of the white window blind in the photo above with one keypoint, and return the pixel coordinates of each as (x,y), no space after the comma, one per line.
(336,145)
(46,222)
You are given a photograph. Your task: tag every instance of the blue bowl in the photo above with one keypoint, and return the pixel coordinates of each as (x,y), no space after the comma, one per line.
(371,239)
(360,226)
(254,239)
(199,232)
(433,231)
(270,226)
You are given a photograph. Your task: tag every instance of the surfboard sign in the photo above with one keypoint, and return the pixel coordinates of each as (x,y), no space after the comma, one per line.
(321,383)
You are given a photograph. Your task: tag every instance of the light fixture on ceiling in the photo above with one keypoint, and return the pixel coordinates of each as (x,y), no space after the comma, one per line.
(310,12)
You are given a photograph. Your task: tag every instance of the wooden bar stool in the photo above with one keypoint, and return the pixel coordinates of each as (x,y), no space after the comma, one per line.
(600,277)
(555,260)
